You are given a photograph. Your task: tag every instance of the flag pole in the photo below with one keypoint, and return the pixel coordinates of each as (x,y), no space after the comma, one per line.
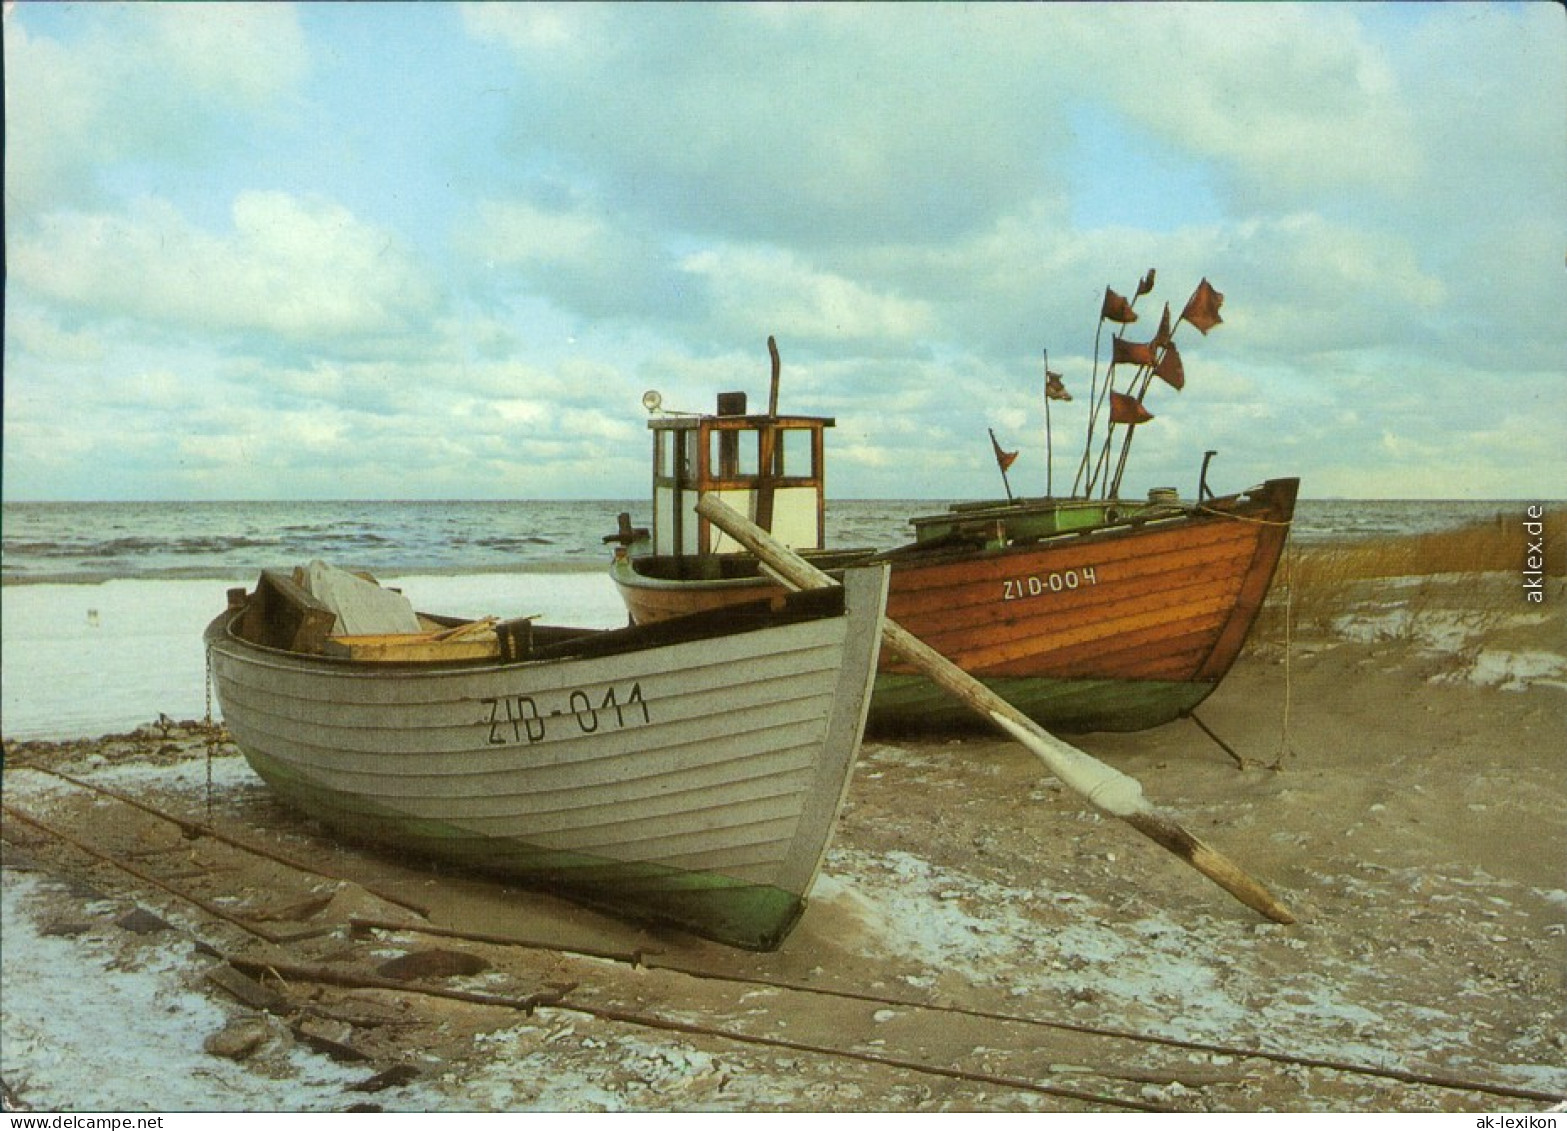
(1103,457)
(1050,458)
(1201,311)
(1103,462)
(1099,397)
(1093,414)
(1147,376)
(1126,444)
(1003,460)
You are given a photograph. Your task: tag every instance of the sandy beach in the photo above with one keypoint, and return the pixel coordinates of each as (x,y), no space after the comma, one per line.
(979,941)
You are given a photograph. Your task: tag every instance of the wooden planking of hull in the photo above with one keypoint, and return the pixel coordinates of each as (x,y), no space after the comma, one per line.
(690,776)
(1118,625)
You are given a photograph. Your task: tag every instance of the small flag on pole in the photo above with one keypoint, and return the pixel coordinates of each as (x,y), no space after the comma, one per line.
(1055,388)
(1004,460)
(1170,370)
(1127,410)
(1202,309)
(1146,284)
(1131,353)
(1162,338)
(1116,309)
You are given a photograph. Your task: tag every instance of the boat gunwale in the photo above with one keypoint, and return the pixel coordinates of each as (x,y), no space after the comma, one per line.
(1254,504)
(710,624)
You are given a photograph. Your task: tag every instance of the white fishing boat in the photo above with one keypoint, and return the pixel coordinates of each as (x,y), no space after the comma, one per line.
(688,772)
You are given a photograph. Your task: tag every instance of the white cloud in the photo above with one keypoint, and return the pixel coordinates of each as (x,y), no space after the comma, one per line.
(522,232)
(1293,99)
(543,28)
(245,54)
(826,124)
(1302,285)
(42,337)
(51,106)
(584,259)
(139,81)
(753,288)
(896,192)
(1490,84)
(305,270)
(832,125)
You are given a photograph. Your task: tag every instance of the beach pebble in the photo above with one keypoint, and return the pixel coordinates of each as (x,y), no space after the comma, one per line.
(433,964)
(64,928)
(239,1039)
(141,922)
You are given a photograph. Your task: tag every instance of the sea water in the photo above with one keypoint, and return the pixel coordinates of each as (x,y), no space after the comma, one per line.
(102,605)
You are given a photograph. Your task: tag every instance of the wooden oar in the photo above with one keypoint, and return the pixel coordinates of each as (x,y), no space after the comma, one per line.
(1104,787)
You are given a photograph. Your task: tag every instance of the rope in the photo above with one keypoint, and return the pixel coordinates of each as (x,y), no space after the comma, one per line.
(1222,745)
(1203,508)
(1289,601)
(1289,595)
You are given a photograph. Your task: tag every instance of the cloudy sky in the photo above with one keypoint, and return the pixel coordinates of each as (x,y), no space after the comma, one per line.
(440,251)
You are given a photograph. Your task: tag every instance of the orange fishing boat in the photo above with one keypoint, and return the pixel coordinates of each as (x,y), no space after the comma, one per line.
(1086,612)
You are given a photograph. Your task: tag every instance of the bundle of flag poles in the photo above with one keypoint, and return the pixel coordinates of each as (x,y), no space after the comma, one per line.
(1157,357)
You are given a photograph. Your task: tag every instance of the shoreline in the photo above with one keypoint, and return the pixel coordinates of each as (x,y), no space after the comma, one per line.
(74,660)
(75,654)
(219,576)
(1399,789)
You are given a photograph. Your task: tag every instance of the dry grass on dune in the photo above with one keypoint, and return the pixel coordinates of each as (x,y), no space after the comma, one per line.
(1316,583)
(1498,545)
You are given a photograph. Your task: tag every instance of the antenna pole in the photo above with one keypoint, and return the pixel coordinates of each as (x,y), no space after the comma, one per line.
(772,395)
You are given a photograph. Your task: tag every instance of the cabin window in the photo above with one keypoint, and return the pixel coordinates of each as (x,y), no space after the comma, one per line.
(797,452)
(672,454)
(734,454)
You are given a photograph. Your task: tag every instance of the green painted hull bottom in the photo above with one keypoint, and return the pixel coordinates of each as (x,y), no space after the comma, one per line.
(751,916)
(903,704)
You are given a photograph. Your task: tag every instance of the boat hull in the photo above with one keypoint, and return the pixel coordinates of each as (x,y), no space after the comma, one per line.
(694,783)
(1119,626)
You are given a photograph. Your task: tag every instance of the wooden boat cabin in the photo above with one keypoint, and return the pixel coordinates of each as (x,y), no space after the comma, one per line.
(770,468)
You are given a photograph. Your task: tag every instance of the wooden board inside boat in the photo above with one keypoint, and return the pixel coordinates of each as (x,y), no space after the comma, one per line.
(414,648)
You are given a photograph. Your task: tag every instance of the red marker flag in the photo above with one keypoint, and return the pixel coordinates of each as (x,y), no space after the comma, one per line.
(1162,338)
(1170,369)
(1116,309)
(1004,460)
(1202,309)
(1131,353)
(1127,410)
(1055,388)
(1146,284)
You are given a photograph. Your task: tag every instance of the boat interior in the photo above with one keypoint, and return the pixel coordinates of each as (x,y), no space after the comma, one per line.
(283,614)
